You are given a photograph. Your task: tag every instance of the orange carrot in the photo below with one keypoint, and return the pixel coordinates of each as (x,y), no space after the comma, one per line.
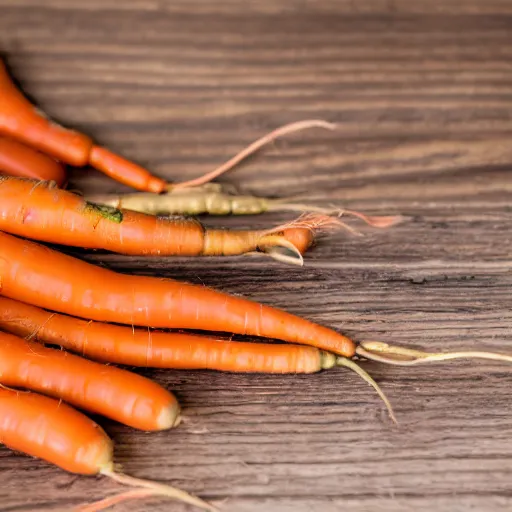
(53,431)
(139,347)
(46,278)
(252,148)
(112,392)
(19,119)
(41,212)
(38,211)
(50,430)
(143,347)
(17,159)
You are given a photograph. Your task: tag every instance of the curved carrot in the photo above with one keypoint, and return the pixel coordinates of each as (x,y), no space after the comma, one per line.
(46,278)
(38,211)
(142,347)
(55,432)
(112,392)
(124,171)
(17,159)
(19,119)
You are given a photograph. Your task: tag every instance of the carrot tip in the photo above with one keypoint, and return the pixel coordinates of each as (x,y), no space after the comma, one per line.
(169,417)
(157,185)
(314,222)
(376,221)
(343,361)
(255,146)
(401,356)
(327,360)
(156,489)
(280,249)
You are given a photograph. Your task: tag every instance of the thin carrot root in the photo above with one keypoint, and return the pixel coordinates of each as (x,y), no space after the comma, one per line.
(115,500)
(284,243)
(285,204)
(252,148)
(280,249)
(400,356)
(317,222)
(313,222)
(376,221)
(143,489)
(343,361)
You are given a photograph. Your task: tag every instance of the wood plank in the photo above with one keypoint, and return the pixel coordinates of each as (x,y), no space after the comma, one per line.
(420,92)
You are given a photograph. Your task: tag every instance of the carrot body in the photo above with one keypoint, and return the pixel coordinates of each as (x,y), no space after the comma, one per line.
(33,210)
(112,392)
(46,278)
(124,171)
(20,120)
(17,159)
(142,347)
(53,431)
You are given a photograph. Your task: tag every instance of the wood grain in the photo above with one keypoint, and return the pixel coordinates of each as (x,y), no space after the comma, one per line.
(421,93)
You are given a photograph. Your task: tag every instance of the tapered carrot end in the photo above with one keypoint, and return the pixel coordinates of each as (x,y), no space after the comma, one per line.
(252,148)
(157,185)
(376,221)
(314,223)
(150,488)
(280,249)
(401,356)
(343,361)
(169,417)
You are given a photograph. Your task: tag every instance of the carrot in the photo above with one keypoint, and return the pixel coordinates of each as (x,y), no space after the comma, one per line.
(112,392)
(252,148)
(53,431)
(401,356)
(46,278)
(17,159)
(39,211)
(19,119)
(50,430)
(211,199)
(143,347)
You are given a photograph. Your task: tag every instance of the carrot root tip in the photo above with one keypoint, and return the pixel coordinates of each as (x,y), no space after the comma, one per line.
(252,148)
(401,356)
(327,360)
(169,417)
(280,249)
(156,489)
(343,361)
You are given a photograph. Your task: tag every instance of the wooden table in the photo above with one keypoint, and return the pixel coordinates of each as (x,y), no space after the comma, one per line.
(421,92)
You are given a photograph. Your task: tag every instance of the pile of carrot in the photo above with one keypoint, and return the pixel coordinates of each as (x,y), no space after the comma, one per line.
(62,319)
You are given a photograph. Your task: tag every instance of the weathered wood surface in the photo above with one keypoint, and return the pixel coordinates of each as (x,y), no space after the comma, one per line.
(422,95)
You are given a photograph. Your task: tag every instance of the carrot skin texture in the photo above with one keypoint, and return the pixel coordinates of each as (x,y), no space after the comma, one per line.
(112,392)
(141,347)
(17,159)
(53,431)
(33,210)
(38,275)
(21,120)
(123,171)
